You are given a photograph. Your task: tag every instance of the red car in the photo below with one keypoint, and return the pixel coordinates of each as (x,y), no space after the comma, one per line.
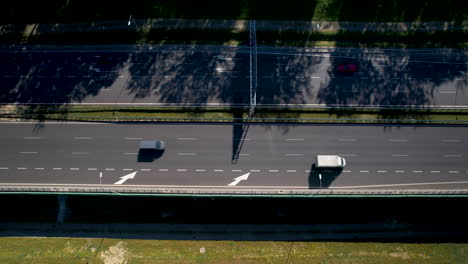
(347,68)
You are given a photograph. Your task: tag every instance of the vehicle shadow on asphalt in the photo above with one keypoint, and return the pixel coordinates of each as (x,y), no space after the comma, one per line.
(320,178)
(149,155)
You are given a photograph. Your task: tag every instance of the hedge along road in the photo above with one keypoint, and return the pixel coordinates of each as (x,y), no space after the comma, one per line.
(267,156)
(216,75)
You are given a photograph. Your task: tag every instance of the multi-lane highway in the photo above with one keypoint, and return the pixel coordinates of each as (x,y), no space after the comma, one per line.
(221,76)
(387,157)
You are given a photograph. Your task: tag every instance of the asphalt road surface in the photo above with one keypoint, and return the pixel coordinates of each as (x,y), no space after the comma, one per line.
(386,157)
(215,75)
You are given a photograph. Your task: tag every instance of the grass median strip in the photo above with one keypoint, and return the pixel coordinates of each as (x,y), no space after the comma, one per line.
(240,114)
(113,251)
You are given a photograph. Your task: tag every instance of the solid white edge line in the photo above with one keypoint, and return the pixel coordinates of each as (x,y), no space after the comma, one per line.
(246,187)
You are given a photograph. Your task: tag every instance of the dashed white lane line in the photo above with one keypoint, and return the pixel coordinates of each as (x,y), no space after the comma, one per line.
(21,168)
(399,171)
(364,171)
(218,170)
(290,170)
(186,138)
(417,171)
(109,169)
(243,154)
(294,155)
(80,153)
(294,139)
(273,170)
(255,170)
(163,169)
(127,169)
(400,155)
(236,170)
(181,170)
(382,171)
(447,92)
(307,171)
(186,154)
(3,168)
(29,152)
(398,140)
(74,168)
(145,169)
(347,155)
(130,153)
(450,140)
(346,171)
(200,170)
(92,169)
(133,138)
(56,168)
(435,171)
(82,138)
(32,137)
(347,139)
(454,172)
(38,168)
(315,77)
(453,156)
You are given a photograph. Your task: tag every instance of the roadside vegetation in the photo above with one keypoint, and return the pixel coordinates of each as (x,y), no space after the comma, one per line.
(238,114)
(52,11)
(118,251)
(38,17)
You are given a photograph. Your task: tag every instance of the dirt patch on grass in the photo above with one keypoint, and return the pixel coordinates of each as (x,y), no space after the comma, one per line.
(117,254)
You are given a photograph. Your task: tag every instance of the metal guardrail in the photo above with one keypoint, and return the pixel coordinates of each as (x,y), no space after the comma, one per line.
(233,106)
(217,191)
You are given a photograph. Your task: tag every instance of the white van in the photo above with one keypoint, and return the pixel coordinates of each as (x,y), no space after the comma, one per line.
(330,161)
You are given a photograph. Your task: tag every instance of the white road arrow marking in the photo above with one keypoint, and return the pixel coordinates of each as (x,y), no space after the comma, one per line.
(238,179)
(126,177)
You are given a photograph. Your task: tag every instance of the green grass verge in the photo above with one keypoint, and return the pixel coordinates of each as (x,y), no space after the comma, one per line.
(33,11)
(131,251)
(226,114)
